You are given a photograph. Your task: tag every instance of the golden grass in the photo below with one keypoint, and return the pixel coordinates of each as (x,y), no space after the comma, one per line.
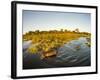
(47,40)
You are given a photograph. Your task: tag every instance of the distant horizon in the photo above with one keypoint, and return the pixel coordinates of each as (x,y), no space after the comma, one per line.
(54,30)
(46,20)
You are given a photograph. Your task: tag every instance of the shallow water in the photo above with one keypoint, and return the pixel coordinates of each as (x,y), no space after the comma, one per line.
(69,52)
(74,53)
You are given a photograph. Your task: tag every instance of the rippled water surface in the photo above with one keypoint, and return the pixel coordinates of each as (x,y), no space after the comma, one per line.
(74,53)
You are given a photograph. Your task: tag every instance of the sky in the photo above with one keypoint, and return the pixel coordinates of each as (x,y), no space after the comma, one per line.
(50,20)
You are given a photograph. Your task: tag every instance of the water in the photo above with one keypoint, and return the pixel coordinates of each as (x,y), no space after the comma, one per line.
(74,53)
(26,44)
(32,61)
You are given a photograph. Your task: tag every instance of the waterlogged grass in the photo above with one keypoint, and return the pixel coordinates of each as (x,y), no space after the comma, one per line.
(46,41)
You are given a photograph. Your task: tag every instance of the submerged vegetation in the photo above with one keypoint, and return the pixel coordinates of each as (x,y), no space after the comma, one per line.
(46,41)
